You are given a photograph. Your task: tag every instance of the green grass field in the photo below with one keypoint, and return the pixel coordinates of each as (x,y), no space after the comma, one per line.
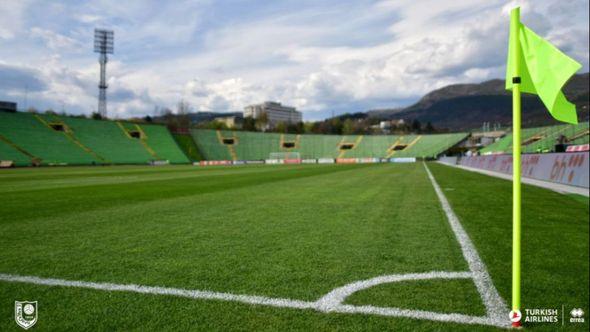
(290,232)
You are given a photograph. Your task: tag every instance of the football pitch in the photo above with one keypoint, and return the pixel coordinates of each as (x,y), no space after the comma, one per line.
(290,247)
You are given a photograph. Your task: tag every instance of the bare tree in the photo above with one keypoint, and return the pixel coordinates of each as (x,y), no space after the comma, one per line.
(262,121)
(183,109)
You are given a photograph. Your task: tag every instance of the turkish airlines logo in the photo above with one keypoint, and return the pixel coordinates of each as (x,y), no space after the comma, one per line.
(515,316)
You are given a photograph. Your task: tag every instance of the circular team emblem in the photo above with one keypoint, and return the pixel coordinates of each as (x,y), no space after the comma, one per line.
(515,316)
(29,309)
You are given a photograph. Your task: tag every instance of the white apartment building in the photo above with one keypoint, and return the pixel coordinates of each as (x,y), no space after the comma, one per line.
(275,113)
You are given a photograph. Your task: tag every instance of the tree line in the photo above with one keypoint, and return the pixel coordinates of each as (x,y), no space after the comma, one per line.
(346,124)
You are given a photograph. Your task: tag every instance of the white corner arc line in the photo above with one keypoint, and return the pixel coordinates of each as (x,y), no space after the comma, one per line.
(495,306)
(337,296)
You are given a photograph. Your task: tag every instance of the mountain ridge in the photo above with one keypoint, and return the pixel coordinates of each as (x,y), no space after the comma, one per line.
(466,106)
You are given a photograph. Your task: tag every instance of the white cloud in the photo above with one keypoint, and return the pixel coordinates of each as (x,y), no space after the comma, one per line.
(55,41)
(227,95)
(12,17)
(318,56)
(89,18)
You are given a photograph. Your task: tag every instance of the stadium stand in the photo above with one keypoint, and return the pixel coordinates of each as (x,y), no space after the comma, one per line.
(239,145)
(164,145)
(8,152)
(29,133)
(135,132)
(109,140)
(188,146)
(48,139)
(254,145)
(319,146)
(210,146)
(542,139)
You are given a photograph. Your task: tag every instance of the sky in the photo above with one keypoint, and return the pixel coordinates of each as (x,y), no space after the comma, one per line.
(322,56)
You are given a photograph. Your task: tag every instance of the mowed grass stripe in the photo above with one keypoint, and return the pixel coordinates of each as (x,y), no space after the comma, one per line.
(28,179)
(68,180)
(296,238)
(27,205)
(68,171)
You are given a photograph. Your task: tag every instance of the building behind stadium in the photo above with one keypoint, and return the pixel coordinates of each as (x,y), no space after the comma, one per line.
(275,112)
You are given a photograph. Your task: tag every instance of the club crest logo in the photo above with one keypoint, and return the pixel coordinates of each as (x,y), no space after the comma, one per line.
(25,313)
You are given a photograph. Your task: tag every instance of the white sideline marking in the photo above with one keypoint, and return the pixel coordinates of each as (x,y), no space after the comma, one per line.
(329,303)
(497,312)
(193,294)
(495,305)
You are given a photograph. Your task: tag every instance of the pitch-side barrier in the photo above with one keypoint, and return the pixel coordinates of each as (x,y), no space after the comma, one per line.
(305,161)
(564,168)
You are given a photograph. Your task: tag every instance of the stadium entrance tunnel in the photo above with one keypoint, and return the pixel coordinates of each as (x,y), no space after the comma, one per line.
(135,134)
(399,147)
(346,146)
(58,126)
(228,141)
(288,145)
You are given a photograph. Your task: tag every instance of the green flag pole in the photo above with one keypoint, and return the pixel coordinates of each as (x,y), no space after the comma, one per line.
(516,172)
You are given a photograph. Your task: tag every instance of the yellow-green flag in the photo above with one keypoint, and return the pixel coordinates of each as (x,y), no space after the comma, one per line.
(544,70)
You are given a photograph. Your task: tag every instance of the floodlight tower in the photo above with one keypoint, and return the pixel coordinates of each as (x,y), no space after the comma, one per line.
(103,44)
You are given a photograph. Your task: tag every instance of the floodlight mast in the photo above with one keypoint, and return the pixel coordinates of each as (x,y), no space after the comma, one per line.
(103,44)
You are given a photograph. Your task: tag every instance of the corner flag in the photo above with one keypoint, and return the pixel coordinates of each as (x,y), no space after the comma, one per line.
(534,66)
(544,70)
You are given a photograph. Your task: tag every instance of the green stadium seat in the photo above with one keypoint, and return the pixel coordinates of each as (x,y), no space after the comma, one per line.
(78,141)
(541,139)
(257,146)
(162,142)
(29,132)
